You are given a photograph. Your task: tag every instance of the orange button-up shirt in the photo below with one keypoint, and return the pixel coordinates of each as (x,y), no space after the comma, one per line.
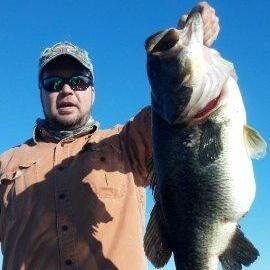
(78,203)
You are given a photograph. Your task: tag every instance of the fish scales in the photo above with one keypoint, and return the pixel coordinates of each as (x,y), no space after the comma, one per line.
(204,182)
(187,188)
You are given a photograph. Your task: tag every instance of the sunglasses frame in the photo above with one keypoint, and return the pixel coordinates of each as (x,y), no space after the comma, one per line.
(66,81)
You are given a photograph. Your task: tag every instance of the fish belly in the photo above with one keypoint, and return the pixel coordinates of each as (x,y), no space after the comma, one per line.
(242,186)
(237,163)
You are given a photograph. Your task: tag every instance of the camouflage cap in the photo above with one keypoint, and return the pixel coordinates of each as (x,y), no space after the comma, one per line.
(65,48)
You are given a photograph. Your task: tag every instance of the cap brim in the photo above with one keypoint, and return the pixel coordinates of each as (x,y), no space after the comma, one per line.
(61,54)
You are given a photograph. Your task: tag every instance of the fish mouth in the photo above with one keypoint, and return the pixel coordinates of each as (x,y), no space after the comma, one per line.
(194,25)
(164,41)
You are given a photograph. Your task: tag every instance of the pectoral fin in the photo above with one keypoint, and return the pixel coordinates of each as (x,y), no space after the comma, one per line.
(210,145)
(256,145)
(155,246)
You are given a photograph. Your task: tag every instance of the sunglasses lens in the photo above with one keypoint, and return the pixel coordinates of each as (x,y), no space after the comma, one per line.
(52,84)
(79,83)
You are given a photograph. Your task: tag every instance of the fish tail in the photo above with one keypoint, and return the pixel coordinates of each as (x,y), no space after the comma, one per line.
(239,252)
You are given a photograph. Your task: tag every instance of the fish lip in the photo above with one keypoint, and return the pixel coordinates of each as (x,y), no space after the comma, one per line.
(153,46)
(65,104)
(172,39)
(194,24)
(194,17)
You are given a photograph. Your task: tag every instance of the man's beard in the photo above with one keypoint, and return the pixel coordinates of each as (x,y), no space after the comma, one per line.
(67,124)
(57,123)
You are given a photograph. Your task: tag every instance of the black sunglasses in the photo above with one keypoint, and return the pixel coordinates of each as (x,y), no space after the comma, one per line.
(56,83)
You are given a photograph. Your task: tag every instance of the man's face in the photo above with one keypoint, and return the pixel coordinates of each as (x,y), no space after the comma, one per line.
(66,109)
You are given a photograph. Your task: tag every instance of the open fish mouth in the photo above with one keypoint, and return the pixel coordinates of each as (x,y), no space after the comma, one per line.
(162,41)
(166,40)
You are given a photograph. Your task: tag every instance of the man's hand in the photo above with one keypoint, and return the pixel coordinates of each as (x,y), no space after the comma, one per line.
(210,23)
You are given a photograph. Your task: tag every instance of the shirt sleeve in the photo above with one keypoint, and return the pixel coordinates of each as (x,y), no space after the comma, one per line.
(4,160)
(137,141)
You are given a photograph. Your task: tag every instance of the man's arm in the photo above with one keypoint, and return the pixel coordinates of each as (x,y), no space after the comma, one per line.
(136,140)
(4,160)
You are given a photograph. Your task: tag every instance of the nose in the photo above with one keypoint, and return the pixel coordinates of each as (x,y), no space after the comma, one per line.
(66,89)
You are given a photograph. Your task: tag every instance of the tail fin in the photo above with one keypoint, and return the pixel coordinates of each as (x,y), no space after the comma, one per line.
(239,252)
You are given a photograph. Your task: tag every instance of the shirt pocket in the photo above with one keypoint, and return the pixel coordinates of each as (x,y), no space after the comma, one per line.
(105,170)
(19,190)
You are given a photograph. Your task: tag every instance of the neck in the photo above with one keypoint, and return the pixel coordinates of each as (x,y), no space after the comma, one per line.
(57,133)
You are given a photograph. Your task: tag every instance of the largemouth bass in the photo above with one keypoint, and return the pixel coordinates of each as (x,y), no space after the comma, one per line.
(203,179)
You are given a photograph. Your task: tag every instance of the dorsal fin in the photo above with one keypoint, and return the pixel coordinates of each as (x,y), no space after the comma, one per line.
(155,243)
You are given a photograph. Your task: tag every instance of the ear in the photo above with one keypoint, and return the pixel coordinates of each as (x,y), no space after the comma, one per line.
(93,95)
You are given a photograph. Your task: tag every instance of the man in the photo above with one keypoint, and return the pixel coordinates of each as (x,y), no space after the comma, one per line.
(73,196)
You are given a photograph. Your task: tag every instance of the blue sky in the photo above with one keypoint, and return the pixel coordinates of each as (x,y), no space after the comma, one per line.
(114,33)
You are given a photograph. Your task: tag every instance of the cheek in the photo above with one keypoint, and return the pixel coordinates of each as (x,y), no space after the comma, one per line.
(49,102)
(85,99)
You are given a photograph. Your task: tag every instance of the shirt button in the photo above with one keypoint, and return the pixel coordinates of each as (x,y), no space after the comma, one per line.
(102,158)
(62,196)
(64,227)
(68,262)
(60,168)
